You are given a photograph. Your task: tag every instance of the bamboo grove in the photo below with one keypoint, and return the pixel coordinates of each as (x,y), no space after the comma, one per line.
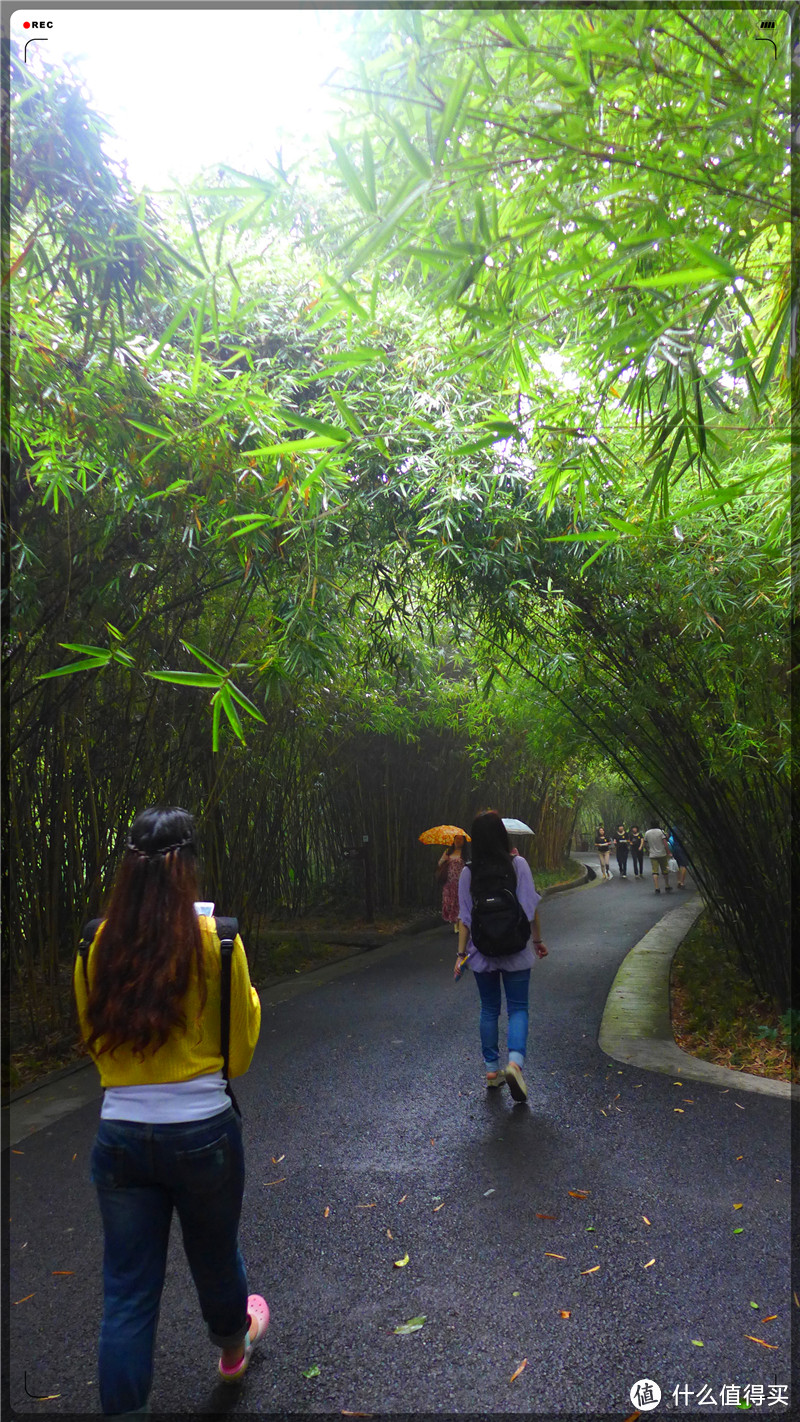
(307,529)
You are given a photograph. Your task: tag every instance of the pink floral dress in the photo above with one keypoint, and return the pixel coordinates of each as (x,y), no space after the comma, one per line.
(450,890)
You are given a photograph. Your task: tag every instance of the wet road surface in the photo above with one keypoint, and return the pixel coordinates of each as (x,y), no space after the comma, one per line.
(369,1135)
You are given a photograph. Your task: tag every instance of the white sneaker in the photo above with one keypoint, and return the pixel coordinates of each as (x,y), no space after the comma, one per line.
(516,1082)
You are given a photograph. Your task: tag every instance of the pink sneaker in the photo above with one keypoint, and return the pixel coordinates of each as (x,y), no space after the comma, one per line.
(258,1322)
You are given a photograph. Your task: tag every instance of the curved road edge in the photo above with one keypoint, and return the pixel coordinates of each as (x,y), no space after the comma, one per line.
(637,1026)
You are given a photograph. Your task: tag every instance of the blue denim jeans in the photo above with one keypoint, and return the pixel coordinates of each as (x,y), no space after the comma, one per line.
(516,986)
(141,1172)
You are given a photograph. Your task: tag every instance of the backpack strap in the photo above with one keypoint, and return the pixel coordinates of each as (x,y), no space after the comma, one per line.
(227,929)
(88,933)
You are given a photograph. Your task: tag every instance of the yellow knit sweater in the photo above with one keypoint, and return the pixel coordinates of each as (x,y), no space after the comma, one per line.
(195,1051)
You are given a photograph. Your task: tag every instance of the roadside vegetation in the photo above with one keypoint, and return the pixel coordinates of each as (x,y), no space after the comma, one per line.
(447,469)
(719,1016)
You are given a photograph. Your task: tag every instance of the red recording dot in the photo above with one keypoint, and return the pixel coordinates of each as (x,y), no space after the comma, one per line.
(26,24)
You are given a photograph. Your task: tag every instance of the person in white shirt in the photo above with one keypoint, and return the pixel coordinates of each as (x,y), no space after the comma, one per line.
(657,847)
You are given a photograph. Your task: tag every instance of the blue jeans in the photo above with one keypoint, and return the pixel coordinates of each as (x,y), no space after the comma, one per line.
(141,1171)
(516,986)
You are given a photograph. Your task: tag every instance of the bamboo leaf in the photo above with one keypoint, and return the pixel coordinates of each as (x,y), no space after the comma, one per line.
(86,664)
(227,703)
(246,704)
(686,276)
(297,446)
(179,678)
(413,154)
(351,177)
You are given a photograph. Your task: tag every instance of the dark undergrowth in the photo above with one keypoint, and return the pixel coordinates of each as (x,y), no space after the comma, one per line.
(718,1015)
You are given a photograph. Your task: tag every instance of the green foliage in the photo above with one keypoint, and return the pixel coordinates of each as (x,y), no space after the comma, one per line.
(338,481)
(610,187)
(789,1028)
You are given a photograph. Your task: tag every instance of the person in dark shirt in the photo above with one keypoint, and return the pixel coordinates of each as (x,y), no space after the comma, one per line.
(602,844)
(621,847)
(680,856)
(636,843)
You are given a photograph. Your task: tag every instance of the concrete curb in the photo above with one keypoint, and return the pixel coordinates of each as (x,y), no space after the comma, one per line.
(567,884)
(637,1028)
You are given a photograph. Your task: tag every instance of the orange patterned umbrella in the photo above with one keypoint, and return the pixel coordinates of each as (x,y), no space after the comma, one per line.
(442,834)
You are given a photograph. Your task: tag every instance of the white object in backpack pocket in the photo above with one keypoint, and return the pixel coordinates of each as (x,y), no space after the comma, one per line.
(672,866)
(204,908)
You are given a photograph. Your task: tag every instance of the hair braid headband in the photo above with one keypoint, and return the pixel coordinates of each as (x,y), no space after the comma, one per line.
(157,853)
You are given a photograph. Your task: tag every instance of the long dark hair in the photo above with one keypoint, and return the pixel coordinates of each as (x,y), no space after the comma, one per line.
(491,851)
(464,849)
(150,945)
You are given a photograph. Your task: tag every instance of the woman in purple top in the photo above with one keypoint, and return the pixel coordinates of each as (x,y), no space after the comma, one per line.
(490,850)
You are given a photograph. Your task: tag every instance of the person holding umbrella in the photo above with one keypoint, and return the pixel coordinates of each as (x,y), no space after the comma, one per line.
(448,872)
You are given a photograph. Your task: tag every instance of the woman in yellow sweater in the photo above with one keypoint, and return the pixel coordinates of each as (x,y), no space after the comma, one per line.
(148,999)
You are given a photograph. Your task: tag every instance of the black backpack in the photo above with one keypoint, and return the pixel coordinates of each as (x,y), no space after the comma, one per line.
(499,924)
(227,929)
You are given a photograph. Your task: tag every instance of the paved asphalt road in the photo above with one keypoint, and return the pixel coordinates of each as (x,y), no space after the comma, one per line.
(366,1106)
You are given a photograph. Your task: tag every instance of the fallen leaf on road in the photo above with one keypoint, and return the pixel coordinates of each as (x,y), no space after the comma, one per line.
(276,1159)
(402,1198)
(697,1343)
(523,1365)
(680,1110)
(25,1300)
(589,1229)
(602,1113)
(327,1212)
(646,1220)
(515,1294)
(401,1263)
(677,1083)
(736,1103)
(649,1262)
(761,1341)
(796,1300)
(72,1162)
(389,1234)
(438,1207)
(368,1207)
(689,1100)
(17,1152)
(593,1269)
(638,1087)
(554,1256)
(432,1141)
(345,1412)
(579,1194)
(488,1192)
(413,1325)
(275,1182)
(62,1271)
(740,1157)
(312,1372)
(633,1417)
(739,1230)
(546,1217)
(771,1318)
(564,1313)
(738,1207)
(752,1305)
